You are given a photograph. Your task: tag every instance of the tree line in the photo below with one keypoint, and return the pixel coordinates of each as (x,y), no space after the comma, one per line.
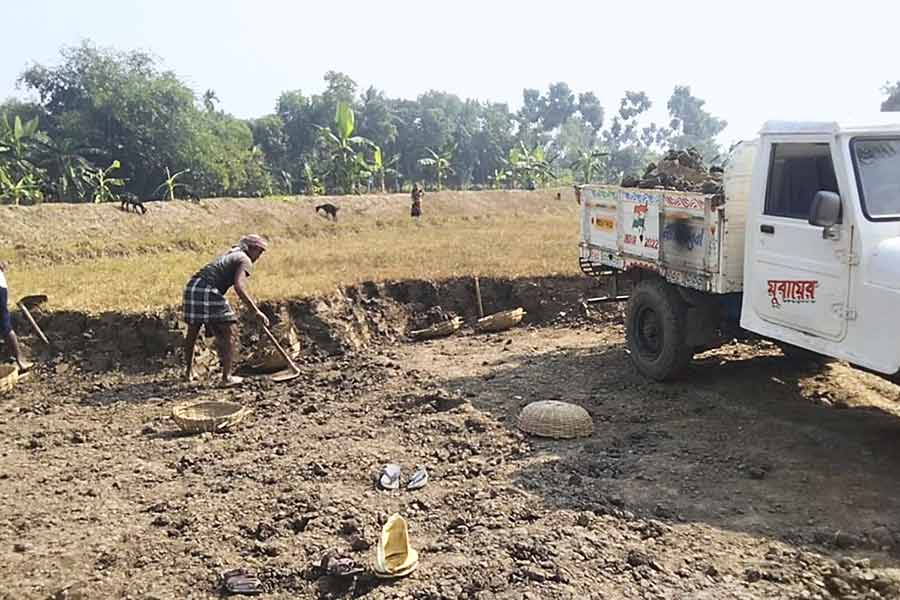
(105,122)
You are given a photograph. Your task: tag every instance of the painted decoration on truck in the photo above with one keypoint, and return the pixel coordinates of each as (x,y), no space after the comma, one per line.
(640,214)
(792,291)
(685,202)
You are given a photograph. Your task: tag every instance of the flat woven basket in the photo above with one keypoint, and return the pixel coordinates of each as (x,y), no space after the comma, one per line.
(197,417)
(9,376)
(500,321)
(553,419)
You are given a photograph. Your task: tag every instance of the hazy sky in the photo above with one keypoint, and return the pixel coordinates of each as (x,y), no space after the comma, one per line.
(751,61)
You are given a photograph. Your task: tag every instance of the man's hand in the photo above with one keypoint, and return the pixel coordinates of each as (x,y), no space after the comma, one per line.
(262,318)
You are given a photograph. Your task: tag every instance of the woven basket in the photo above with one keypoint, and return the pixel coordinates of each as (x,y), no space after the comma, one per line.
(197,417)
(437,330)
(9,376)
(553,419)
(500,321)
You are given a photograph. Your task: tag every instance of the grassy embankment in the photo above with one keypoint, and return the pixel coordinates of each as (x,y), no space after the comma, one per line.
(97,258)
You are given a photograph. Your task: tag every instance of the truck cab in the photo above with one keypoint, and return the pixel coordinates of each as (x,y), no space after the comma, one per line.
(822,241)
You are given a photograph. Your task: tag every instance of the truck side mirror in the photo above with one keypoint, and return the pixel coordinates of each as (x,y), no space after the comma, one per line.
(825,210)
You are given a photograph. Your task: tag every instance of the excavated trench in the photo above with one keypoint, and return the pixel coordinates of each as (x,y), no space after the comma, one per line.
(347,320)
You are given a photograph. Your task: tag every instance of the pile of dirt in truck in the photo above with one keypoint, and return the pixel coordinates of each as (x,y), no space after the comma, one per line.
(682,170)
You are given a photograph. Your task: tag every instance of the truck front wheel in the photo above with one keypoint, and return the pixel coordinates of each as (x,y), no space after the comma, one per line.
(656,330)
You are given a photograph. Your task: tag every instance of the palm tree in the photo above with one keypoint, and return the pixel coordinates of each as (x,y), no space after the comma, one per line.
(439,164)
(210,99)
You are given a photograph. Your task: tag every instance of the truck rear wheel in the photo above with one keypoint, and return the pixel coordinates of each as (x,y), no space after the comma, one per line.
(656,330)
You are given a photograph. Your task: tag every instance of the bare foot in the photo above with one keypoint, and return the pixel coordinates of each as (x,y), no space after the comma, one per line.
(232,380)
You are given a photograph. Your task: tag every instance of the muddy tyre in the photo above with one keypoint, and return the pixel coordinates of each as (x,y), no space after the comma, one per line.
(656,330)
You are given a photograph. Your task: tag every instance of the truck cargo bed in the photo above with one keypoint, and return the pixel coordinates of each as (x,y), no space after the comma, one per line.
(684,237)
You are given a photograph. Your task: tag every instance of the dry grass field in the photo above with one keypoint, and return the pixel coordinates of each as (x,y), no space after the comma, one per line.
(97,258)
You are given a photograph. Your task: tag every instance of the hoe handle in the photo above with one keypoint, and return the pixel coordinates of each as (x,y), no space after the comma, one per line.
(280,349)
(33,323)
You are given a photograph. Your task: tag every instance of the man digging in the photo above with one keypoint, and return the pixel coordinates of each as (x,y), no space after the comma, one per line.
(205,303)
(6,330)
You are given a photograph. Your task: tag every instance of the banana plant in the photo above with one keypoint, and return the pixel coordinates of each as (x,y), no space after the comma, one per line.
(66,167)
(530,167)
(438,164)
(380,168)
(15,137)
(498,177)
(26,187)
(589,163)
(104,184)
(170,184)
(348,163)
(311,182)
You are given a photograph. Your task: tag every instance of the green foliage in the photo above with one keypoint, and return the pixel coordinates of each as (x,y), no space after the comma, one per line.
(438,165)
(345,151)
(103,184)
(100,104)
(530,168)
(311,182)
(170,184)
(589,164)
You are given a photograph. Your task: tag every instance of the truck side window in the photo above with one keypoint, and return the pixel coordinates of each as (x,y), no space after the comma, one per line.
(796,173)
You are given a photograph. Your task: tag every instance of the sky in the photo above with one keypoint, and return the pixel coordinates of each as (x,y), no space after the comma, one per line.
(750,61)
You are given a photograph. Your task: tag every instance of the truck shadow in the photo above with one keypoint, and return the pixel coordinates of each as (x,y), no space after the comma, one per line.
(742,443)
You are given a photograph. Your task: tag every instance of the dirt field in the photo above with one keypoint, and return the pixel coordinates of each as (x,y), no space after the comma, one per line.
(752,478)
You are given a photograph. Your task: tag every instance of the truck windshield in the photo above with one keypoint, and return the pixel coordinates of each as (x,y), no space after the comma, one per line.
(877,163)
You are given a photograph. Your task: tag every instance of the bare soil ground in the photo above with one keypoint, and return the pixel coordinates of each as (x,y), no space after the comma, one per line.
(754,477)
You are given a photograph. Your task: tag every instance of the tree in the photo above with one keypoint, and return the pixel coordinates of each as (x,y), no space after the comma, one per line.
(210,99)
(170,185)
(438,164)
(591,110)
(348,162)
(530,167)
(589,164)
(692,125)
(381,168)
(104,184)
(892,102)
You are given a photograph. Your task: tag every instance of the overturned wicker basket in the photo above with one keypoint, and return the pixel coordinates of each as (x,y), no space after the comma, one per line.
(197,417)
(553,419)
(437,330)
(9,377)
(500,321)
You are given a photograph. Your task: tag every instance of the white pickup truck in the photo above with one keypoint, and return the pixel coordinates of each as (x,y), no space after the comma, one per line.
(804,250)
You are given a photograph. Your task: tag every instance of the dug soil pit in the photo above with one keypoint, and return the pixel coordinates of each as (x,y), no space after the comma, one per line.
(754,477)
